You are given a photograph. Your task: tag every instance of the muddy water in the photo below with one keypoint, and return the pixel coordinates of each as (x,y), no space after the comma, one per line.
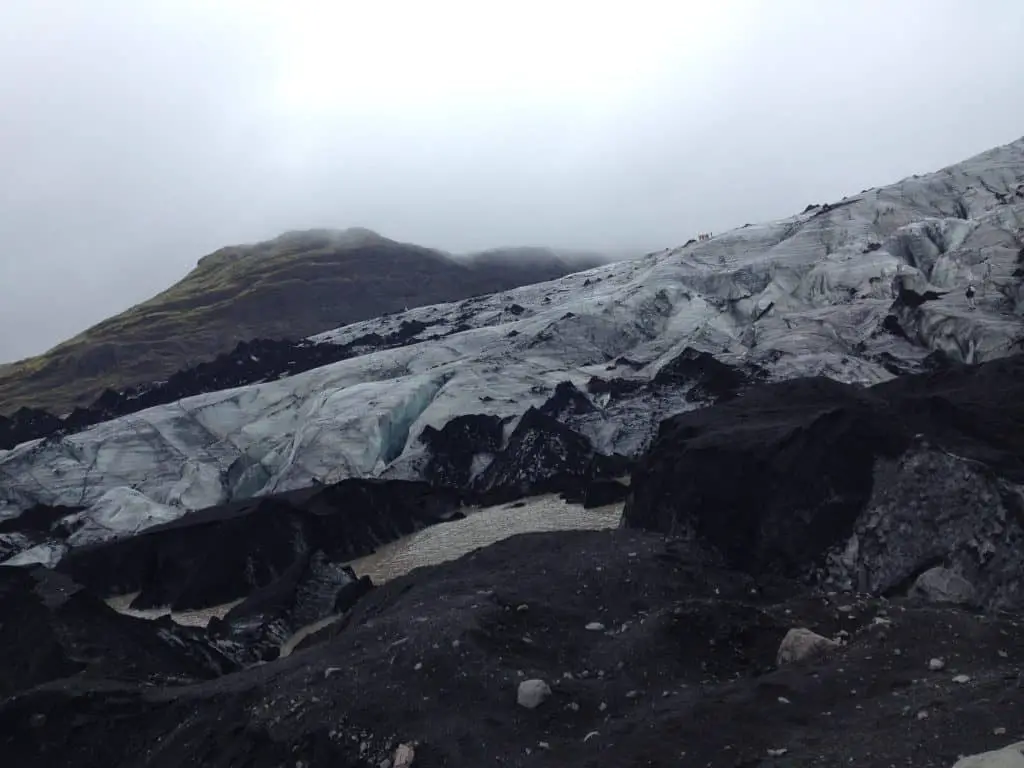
(197,618)
(481,527)
(437,544)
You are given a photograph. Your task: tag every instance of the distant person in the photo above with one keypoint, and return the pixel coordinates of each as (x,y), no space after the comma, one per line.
(971,306)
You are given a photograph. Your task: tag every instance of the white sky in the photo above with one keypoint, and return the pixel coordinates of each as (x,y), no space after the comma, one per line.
(138,135)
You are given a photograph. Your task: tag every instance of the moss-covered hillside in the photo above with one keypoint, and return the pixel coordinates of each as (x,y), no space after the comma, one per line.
(292,286)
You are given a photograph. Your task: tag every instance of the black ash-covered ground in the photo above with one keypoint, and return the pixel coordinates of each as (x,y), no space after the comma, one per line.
(683,673)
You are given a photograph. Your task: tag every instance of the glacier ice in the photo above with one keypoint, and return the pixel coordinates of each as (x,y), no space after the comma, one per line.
(809,294)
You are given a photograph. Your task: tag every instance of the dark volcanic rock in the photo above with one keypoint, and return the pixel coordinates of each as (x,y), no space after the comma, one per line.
(687,664)
(615,388)
(249,362)
(51,628)
(566,401)
(707,377)
(598,493)
(865,488)
(39,518)
(543,455)
(309,590)
(26,424)
(224,553)
(456,444)
(912,299)
(772,479)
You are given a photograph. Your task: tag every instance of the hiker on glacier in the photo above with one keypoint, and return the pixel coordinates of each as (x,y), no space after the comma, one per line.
(971,306)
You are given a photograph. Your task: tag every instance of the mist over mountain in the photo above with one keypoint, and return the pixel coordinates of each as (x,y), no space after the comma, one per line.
(295,285)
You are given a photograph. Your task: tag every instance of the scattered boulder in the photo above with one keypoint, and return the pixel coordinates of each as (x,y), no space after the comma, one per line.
(532,693)
(801,643)
(941,585)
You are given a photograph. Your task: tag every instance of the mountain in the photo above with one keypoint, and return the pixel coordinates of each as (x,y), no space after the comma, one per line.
(817,437)
(292,286)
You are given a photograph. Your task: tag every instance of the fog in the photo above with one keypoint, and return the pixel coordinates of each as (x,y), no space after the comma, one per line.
(137,136)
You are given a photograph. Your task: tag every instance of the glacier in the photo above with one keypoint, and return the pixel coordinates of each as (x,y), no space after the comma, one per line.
(818,293)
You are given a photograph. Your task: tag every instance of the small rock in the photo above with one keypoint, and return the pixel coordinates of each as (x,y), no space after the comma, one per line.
(936,664)
(801,643)
(543,745)
(331,671)
(777,752)
(522,608)
(632,694)
(590,735)
(922,715)
(783,700)
(385,763)
(404,756)
(1000,731)
(961,679)
(419,666)
(532,693)
(595,626)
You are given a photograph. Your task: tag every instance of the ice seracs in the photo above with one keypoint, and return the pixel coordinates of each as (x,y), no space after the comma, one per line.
(808,295)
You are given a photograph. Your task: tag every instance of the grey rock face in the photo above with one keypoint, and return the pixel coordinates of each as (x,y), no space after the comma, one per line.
(944,527)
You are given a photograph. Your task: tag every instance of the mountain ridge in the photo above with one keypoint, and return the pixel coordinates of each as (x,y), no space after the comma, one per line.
(299,283)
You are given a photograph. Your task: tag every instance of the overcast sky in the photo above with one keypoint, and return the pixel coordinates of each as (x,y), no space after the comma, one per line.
(138,135)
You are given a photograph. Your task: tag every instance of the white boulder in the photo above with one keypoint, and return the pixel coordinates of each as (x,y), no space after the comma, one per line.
(801,643)
(533,693)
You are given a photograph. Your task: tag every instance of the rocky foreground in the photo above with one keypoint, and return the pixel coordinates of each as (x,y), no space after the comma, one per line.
(808,574)
(650,655)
